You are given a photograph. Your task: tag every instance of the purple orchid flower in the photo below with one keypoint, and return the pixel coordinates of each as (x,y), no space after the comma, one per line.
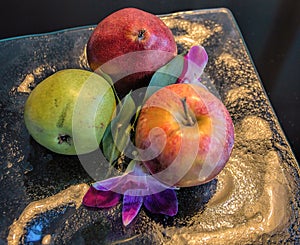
(137,187)
(193,65)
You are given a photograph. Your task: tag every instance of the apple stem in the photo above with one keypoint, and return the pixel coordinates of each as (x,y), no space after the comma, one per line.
(189,120)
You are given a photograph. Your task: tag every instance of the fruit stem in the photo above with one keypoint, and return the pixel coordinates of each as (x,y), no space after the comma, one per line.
(188,118)
(141,34)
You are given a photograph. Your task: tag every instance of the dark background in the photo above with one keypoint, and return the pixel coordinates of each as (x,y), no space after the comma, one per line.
(270,29)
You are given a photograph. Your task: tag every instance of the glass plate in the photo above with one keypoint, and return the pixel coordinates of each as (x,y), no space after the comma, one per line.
(254,200)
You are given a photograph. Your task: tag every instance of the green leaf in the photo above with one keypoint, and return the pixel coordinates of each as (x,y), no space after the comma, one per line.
(130,166)
(166,75)
(117,134)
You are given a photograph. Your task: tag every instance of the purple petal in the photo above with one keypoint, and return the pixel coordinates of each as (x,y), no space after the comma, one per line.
(164,202)
(197,55)
(194,63)
(133,180)
(109,184)
(100,198)
(131,207)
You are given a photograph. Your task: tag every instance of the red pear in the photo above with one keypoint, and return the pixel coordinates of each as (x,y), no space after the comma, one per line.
(129,45)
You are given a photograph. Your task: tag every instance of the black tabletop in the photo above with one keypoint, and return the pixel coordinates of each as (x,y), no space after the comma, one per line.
(270,29)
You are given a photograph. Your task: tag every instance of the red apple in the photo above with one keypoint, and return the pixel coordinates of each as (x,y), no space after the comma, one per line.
(184,134)
(130,45)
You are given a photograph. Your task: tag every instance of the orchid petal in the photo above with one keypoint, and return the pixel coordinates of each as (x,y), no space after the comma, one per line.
(123,183)
(100,198)
(131,207)
(194,63)
(155,186)
(164,202)
(109,184)
(136,178)
(147,184)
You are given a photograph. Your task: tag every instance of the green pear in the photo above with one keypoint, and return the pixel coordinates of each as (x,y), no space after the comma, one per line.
(69,111)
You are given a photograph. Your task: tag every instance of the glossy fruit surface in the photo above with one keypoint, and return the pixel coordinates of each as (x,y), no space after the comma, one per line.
(185,135)
(129,45)
(69,111)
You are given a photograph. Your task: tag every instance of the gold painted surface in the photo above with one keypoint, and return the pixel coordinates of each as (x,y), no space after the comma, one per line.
(197,34)
(73,194)
(24,86)
(46,239)
(83,61)
(254,128)
(228,59)
(238,93)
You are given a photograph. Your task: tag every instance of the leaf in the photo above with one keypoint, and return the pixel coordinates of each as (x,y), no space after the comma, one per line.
(117,134)
(131,166)
(166,75)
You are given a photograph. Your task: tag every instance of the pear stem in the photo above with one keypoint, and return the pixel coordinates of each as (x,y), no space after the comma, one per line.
(188,118)
(141,35)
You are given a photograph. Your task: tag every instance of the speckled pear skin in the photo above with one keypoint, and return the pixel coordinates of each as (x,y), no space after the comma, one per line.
(53,114)
(254,200)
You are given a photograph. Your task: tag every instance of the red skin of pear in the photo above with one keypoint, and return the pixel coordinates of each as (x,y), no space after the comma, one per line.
(201,148)
(125,31)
